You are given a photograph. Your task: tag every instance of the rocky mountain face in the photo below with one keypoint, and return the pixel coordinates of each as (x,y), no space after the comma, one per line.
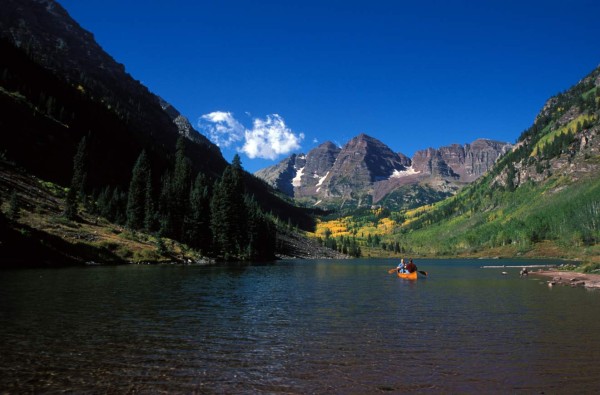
(365,171)
(563,142)
(54,69)
(280,175)
(462,162)
(184,127)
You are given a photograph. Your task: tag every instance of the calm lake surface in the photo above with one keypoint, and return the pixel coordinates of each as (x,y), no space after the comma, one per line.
(296,327)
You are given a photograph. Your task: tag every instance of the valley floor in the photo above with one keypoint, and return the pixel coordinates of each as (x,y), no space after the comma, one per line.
(41,236)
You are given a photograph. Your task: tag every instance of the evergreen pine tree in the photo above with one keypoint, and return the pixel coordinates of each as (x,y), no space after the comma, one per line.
(180,189)
(118,206)
(510,178)
(103,203)
(164,206)
(376,240)
(228,211)
(221,216)
(136,201)
(149,210)
(261,238)
(197,227)
(239,209)
(76,189)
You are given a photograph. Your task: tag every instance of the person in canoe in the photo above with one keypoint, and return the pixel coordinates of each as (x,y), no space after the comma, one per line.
(411,267)
(405,270)
(401,267)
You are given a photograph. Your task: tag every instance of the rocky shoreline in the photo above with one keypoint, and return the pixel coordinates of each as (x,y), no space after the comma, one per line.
(568,278)
(292,245)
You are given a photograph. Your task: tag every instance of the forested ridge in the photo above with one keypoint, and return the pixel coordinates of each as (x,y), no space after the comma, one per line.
(215,217)
(146,180)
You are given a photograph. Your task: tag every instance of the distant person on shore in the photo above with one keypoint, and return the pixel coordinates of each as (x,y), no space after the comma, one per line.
(411,267)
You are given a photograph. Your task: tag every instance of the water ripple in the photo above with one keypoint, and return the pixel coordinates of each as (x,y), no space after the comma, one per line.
(295,327)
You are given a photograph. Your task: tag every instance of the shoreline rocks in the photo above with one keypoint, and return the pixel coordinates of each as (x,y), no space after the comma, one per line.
(571,279)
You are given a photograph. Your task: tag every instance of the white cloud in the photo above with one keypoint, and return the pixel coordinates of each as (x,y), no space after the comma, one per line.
(315,140)
(268,138)
(221,128)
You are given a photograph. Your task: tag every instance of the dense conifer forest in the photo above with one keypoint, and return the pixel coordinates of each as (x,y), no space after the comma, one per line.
(216,217)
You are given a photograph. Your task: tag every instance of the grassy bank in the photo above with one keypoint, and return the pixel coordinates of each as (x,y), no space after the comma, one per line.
(555,220)
(34,231)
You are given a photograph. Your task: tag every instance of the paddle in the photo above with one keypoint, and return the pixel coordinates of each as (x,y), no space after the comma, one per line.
(392,270)
(422,272)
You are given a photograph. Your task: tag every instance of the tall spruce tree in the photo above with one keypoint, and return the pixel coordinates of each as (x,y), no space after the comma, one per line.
(103,203)
(149,209)
(228,211)
(138,193)
(198,234)
(174,197)
(77,187)
(180,189)
(117,206)
(260,233)
(165,216)
(239,208)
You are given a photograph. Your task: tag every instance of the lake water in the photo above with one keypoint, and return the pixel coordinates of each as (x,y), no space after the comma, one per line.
(296,327)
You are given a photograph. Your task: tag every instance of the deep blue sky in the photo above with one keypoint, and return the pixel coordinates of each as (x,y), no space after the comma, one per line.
(413,74)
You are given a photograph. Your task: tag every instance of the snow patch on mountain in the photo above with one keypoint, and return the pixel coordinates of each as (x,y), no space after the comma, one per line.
(322,179)
(321,182)
(297,180)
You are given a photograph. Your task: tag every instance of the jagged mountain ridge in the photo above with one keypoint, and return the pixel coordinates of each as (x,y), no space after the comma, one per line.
(58,85)
(365,170)
(78,89)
